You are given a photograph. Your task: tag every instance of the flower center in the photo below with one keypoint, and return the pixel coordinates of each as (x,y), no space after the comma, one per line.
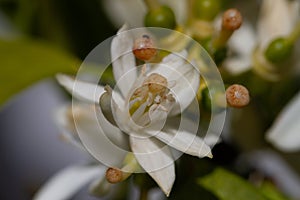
(152,94)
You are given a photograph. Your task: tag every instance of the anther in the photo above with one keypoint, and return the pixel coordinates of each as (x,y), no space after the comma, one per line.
(156,83)
(232,19)
(237,96)
(114,175)
(143,48)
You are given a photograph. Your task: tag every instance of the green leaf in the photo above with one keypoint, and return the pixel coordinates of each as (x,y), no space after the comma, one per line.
(270,192)
(228,186)
(24,62)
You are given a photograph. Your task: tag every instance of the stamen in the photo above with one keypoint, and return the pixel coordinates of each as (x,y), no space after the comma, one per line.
(143,48)
(138,113)
(231,21)
(156,83)
(237,96)
(153,93)
(114,175)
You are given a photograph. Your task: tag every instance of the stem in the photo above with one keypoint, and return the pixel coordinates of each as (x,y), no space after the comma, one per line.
(295,34)
(144,194)
(152,4)
(222,38)
(190,9)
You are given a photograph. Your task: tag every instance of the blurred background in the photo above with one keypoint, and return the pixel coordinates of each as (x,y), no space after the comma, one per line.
(31,149)
(41,38)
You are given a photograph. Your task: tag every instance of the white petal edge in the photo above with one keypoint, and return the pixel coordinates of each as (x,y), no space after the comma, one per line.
(68,181)
(125,11)
(112,132)
(238,65)
(243,40)
(242,43)
(275,20)
(133,11)
(81,90)
(156,159)
(123,60)
(185,142)
(101,139)
(285,131)
(62,117)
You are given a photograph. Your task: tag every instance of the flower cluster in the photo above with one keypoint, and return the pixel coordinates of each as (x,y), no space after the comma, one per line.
(137,124)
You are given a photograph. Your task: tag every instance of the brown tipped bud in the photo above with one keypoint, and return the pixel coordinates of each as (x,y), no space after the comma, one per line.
(114,175)
(237,96)
(232,19)
(143,48)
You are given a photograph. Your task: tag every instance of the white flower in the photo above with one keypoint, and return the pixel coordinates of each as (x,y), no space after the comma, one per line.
(285,132)
(277,18)
(138,111)
(68,182)
(132,12)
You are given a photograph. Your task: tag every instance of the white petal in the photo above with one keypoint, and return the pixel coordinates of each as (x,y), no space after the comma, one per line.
(285,132)
(276,19)
(157,117)
(243,40)
(237,65)
(242,43)
(65,122)
(185,76)
(67,182)
(100,138)
(125,11)
(156,159)
(121,113)
(123,60)
(81,90)
(185,142)
(133,11)
(112,132)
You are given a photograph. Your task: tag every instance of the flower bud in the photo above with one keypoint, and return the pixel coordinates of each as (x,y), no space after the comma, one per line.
(279,50)
(207,9)
(162,17)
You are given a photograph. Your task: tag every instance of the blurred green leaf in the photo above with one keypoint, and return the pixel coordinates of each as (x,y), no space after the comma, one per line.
(270,192)
(228,186)
(24,62)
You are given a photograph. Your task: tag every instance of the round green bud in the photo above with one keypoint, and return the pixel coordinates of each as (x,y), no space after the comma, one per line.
(162,17)
(279,50)
(207,9)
